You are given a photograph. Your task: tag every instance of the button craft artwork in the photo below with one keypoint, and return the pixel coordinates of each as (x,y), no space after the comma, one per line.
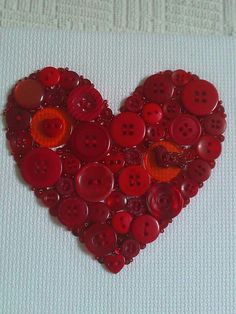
(115,181)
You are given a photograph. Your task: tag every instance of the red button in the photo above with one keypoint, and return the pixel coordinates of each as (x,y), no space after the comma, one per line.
(100,239)
(128,129)
(21,143)
(180,77)
(171,108)
(69,80)
(185,129)
(155,132)
(209,148)
(158,88)
(85,103)
(145,229)
(134,180)
(215,124)
(49,197)
(199,170)
(90,141)
(41,167)
(133,156)
(65,186)
(98,212)
(200,97)
(114,161)
(49,76)
(52,127)
(17,118)
(29,93)
(130,248)
(116,201)
(137,206)
(152,113)
(114,262)
(121,222)
(94,182)
(70,164)
(134,103)
(72,212)
(188,187)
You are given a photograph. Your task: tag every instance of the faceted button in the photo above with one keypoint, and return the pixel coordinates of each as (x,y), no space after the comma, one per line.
(180,77)
(98,212)
(17,118)
(152,113)
(116,201)
(155,132)
(29,93)
(145,229)
(188,187)
(171,109)
(136,206)
(114,263)
(49,76)
(134,180)
(121,222)
(209,148)
(130,248)
(94,182)
(70,164)
(200,97)
(199,170)
(41,167)
(215,124)
(114,161)
(128,129)
(65,186)
(134,103)
(69,80)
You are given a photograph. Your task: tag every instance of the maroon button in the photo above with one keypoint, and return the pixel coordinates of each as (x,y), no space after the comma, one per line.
(65,186)
(100,239)
(134,103)
(155,132)
(128,129)
(199,170)
(70,164)
(137,206)
(200,97)
(130,248)
(90,141)
(17,118)
(180,77)
(134,180)
(133,156)
(185,129)
(94,182)
(114,161)
(85,103)
(215,124)
(41,167)
(158,88)
(49,76)
(69,80)
(29,93)
(49,198)
(209,148)
(152,113)
(145,229)
(116,201)
(98,212)
(21,143)
(72,212)
(171,108)
(114,263)
(121,222)
(188,187)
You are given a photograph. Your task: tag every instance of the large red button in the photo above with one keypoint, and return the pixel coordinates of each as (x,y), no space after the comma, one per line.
(200,97)
(90,141)
(128,129)
(121,222)
(49,76)
(17,118)
(199,170)
(69,80)
(114,161)
(134,180)
(41,167)
(215,124)
(94,182)
(130,248)
(98,212)
(185,129)
(29,93)
(152,113)
(208,147)
(145,229)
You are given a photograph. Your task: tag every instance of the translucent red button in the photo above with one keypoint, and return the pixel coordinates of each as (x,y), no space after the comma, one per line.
(208,147)
(145,229)
(49,76)
(121,222)
(215,124)
(152,113)
(114,161)
(199,170)
(155,132)
(17,118)
(29,93)
(116,201)
(130,248)
(180,77)
(69,80)
(98,212)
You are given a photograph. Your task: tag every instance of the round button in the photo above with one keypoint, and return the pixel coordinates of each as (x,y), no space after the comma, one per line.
(70,164)
(215,124)
(94,182)
(69,80)
(134,180)
(134,103)
(171,108)
(128,129)
(17,118)
(145,229)
(130,248)
(114,161)
(133,156)
(185,129)
(49,198)
(200,97)
(85,103)
(21,143)
(158,88)
(49,76)
(155,132)
(114,263)
(116,200)
(152,113)
(29,93)
(180,77)
(65,186)
(90,141)
(209,148)
(41,167)
(137,206)
(100,239)
(72,212)
(98,212)
(199,170)
(188,187)
(121,222)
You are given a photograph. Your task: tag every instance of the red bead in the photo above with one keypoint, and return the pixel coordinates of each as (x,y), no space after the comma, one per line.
(188,187)
(114,263)
(29,93)
(215,124)
(49,198)
(133,156)
(65,186)
(121,222)
(70,164)
(180,77)
(134,103)
(49,76)
(137,206)
(130,248)
(155,132)
(152,113)
(208,147)
(69,80)
(17,118)
(199,170)
(114,161)
(171,108)
(145,229)
(98,212)
(116,201)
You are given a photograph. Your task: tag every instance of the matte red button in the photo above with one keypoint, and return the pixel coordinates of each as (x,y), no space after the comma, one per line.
(180,77)
(152,113)
(185,129)
(21,143)
(72,212)
(171,108)
(70,164)
(90,141)
(130,248)
(121,222)
(116,201)
(41,167)
(114,263)
(215,124)
(65,186)
(134,103)
(188,187)
(49,76)
(134,180)
(158,88)
(145,229)
(17,118)
(69,80)
(94,182)
(98,212)
(155,132)
(199,170)
(85,103)
(137,206)
(200,97)
(49,197)
(128,129)
(209,148)
(114,161)
(100,239)
(29,93)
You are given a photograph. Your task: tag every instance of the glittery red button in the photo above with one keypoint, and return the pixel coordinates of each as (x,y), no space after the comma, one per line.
(180,77)
(121,222)
(114,262)
(137,206)
(152,113)
(215,124)
(98,212)
(116,201)
(114,161)
(69,80)
(130,248)
(17,118)
(29,93)
(208,147)
(171,108)
(49,76)
(145,229)
(199,170)
(155,132)
(70,164)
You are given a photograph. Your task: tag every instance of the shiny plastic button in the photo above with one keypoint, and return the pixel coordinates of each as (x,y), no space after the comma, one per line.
(69,80)
(134,103)
(155,132)
(116,201)
(188,187)
(145,229)
(49,198)
(17,118)
(199,170)
(121,222)
(152,113)
(130,248)
(114,263)
(209,148)
(21,143)
(114,161)
(29,93)
(65,186)
(171,108)
(215,124)
(98,212)
(180,77)
(49,76)
(70,164)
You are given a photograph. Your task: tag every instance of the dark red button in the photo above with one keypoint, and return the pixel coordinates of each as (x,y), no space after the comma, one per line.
(209,148)
(41,167)
(145,229)
(98,212)
(137,206)
(133,156)
(49,76)
(188,187)
(215,124)
(70,164)
(100,239)
(152,113)
(90,141)
(69,80)
(85,103)
(200,97)
(17,118)
(171,108)
(158,88)
(21,143)
(134,180)
(121,222)
(155,132)
(185,129)
(130,248)
(94,182)
(29,93)
(65,186)
(128,129)
(116,201)
(114,161)
(180,77)
(134,103)
(72,212)
(49,197)
(114,263)
(199,170)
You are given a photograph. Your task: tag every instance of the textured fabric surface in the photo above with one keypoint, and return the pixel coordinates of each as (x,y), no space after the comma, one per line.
(191,267)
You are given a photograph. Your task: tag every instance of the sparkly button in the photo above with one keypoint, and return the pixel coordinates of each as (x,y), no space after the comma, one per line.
(49,76)
(188,187)
(94,182)
(134,180)
(200,97)
(215,124)
(155,132)
(209,148)
(114,263)
(130,248)
(121,222)
(116,201)
(70,164)
(65,186)
(29,93)
(199,170)
(17,118)
(114,161)
(171,108)
(128,129)
(69,80)
(152,113)
(145,229)
(185,129)
(100,239)
(98,212)
(90,141)
(180,77)
(41,167)
(137,206)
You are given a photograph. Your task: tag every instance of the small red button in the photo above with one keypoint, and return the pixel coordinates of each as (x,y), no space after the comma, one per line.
(98,212)
(116,201)
(155,132)
(145,229)
(133,156)
(49,76)
(215,124)
(114,161)
(188,187)
(29,93)
(134,103)
(65,186)
(152,113)
(121,222)
(134,180)
(21,143)
(199,170)
(114,263)
(209,148)
(17,118)
(128,129)
(94,182)
(49,197)
(171,108)
(70,164)
(69,80)
(180,77)
(137,206)
(130,248)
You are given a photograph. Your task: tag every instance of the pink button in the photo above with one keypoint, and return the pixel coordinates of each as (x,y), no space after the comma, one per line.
(145,229)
